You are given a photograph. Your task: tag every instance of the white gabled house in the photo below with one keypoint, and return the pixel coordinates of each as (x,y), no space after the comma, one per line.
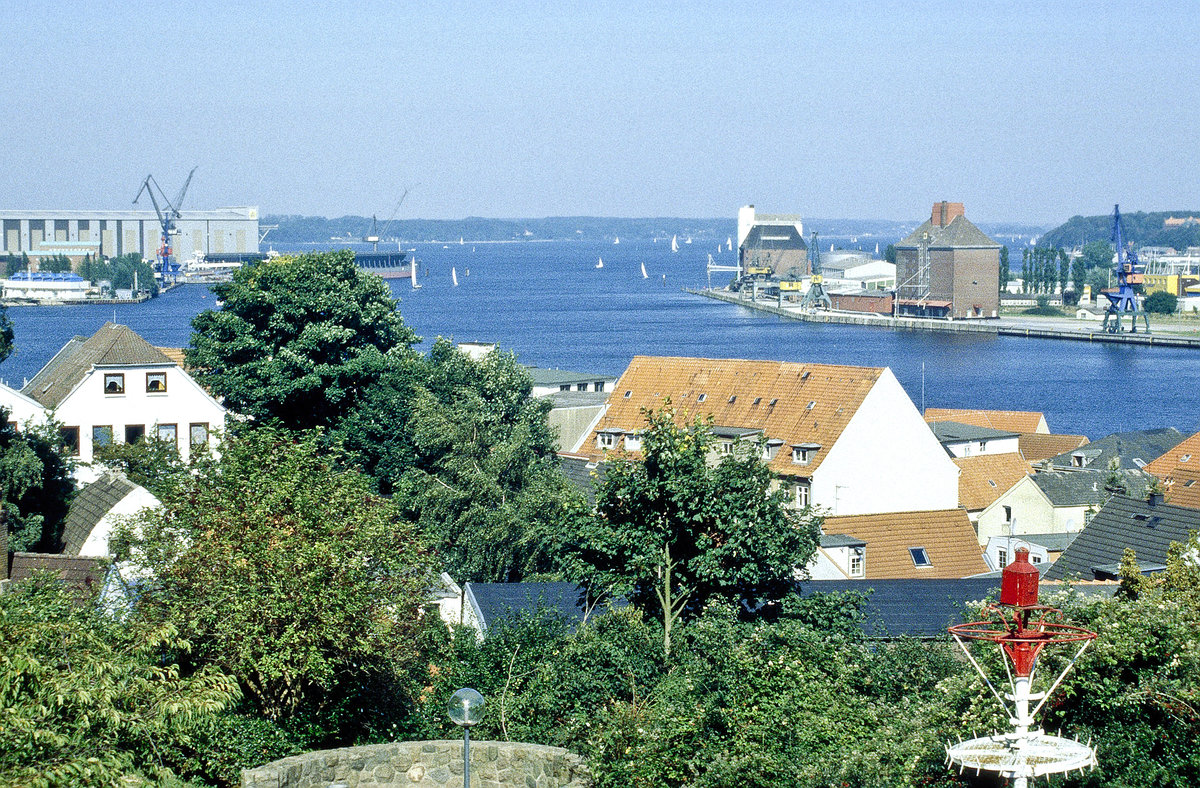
(846,439)
(116,387)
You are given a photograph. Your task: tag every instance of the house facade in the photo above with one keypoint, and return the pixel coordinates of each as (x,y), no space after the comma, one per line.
(115,387)
(948,268)
(898,545)
(845,439)
(771,244)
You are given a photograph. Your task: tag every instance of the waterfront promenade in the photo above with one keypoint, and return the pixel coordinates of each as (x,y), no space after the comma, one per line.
(1032,327)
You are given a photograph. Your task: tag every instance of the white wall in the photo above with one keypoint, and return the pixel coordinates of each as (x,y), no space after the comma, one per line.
(183,404)
(21,408)
(1032,513)
(886,460)
(990,446)
(96,545)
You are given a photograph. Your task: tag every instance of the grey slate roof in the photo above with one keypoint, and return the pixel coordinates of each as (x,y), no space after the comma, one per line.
(89,507)
(1129,447)
(841,540)
(953,431)
(582,473)
(555,377)
(498,601)
(960,232)
(73,570)
(1086,487)
(774,237)
(1125,522)
(112,345)
(1053,542)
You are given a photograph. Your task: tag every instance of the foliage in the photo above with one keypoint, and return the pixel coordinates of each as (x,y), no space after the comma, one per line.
(284,572)
(13,264)
(671,533)
(6,334)
(1043,308)
(89,701)
(1162,303)
(122,272)
(1097,254)
(151,462)
(55,264)
(1141,228)
(299,339)
(35,485)
(1005,274)
(484,478)
(889,254)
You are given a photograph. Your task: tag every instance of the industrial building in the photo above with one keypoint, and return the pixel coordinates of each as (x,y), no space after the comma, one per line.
(113,233)
(771,244)
(948,268)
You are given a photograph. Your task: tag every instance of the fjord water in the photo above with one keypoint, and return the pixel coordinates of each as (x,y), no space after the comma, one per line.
(550,303)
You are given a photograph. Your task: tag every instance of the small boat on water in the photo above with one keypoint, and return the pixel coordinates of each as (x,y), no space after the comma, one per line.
(674,243)
(454,276)
(689,240)
(644,274)
(729,243)
(616,240)
(600,262)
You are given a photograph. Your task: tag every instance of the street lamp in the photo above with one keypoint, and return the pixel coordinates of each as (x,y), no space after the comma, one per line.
(466,709)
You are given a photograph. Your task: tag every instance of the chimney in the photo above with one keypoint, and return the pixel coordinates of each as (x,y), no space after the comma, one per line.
(1155,498)
(945,212)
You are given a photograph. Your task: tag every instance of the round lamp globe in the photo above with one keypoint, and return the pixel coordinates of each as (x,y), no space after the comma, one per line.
(465,707)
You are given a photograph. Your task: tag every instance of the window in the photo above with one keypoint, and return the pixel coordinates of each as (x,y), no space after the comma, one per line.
(69,437)
(772,402)
(581,387)
(857,561)
(564,387)
(633,442)
(1185,458)
(983,445)
(606,440)
(756,400)
(102,435)
(802,491)
(156,382)
(134,432)
(919,556)
(628,393)
(598,385)
(1077,460)
(114,383)
(812,404)
(727,447)
(198,434)
(732,398)
(701,398)
(1002,557)
(1036,559)
(169,433)
(1007,513)
(801,455)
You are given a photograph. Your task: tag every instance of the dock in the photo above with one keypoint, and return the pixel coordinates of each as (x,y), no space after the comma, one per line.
(994,327)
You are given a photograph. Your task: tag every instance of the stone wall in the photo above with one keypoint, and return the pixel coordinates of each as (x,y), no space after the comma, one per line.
(428,764)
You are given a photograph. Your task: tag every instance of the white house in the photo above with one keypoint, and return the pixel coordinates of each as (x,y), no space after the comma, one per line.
(97,508)
(846,439)
(116,387)
(968,440)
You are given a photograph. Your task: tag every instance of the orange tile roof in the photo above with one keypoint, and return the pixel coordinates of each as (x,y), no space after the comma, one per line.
(173,353)
(1009,420)
(1035,446)
(1179,470)
(793,402)
(985,477)
(947,536)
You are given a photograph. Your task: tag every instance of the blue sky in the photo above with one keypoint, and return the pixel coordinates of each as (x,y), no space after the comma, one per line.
(1023,111)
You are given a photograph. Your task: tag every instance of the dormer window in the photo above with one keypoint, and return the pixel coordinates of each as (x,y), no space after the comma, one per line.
(858,561)
(1078,461)
(114,383)
(803,453)
(607,439)
(633,442)
(919,556)
(156,382)
(771,448)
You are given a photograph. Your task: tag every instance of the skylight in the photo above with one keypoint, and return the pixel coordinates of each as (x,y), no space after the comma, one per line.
(919,556)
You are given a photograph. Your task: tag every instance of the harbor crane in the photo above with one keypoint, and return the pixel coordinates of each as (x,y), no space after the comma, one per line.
(376,234)
(1123,300)
(816,297)
(167,213)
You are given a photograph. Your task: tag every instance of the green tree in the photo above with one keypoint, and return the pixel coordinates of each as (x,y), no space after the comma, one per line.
(889,254)
(1078,275)
(299,339)
(672,533)
(1097,254)
(286,573)
(1026,271)
(1005,274)
(89,700)
(35,485)
(484,478)
(1162,303)
(55,264)
(12,264)
(152,462)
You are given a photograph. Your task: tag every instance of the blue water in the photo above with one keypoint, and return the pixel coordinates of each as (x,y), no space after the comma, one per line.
(549,303)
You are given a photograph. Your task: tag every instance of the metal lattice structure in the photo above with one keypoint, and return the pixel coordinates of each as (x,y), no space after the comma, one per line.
(167,214)
(1021,628)
(816,296)
(1129,272)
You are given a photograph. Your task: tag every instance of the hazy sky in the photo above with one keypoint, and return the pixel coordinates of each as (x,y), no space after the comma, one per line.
(1023,111)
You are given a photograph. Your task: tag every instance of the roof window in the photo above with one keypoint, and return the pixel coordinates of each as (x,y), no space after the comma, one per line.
(919,556)
(1189,482)
(732,397)
(804,375)
(1185,458)
(772,402)
(811,405)
(756,400)
(628,393)
(701,398)
(991,482)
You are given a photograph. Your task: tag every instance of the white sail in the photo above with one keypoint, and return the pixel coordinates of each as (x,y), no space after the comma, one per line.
(460,240)
(600,262)
(412,273)
(616,240)
(454,277)
(644,274)
(674,243)
(729,243)
(876,249)
(689,240)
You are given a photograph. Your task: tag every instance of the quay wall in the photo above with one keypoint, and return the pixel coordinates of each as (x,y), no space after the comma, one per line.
(427,764)
(957,327)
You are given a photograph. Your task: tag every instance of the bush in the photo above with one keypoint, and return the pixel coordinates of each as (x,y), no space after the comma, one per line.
(1162,303)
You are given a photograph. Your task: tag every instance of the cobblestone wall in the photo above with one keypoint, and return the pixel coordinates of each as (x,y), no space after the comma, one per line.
(427,764)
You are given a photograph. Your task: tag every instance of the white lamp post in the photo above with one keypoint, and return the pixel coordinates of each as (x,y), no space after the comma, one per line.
(466,709)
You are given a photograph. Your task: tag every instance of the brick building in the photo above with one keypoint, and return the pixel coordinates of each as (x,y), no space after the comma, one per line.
(771,245)
(948,268)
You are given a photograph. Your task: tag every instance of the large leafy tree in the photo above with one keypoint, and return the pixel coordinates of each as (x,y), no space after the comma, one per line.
(285,572)
(299,339)
(673,532)
(482,477)
(90,701)
(35,485)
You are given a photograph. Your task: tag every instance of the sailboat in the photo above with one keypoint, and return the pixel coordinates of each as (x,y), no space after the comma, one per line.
(689,240)
(600,262)
(644,274)
(616,240)
(674,243)
(460,240)
(454,277)
(412,274)
(876,250)
(729,243)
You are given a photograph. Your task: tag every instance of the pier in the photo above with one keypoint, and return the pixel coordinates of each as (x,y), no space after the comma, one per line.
(1009,327)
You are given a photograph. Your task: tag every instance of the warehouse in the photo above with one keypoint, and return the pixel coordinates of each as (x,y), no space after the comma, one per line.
(113,233)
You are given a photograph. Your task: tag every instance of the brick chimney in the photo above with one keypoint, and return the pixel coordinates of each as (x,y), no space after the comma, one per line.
(945,212)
